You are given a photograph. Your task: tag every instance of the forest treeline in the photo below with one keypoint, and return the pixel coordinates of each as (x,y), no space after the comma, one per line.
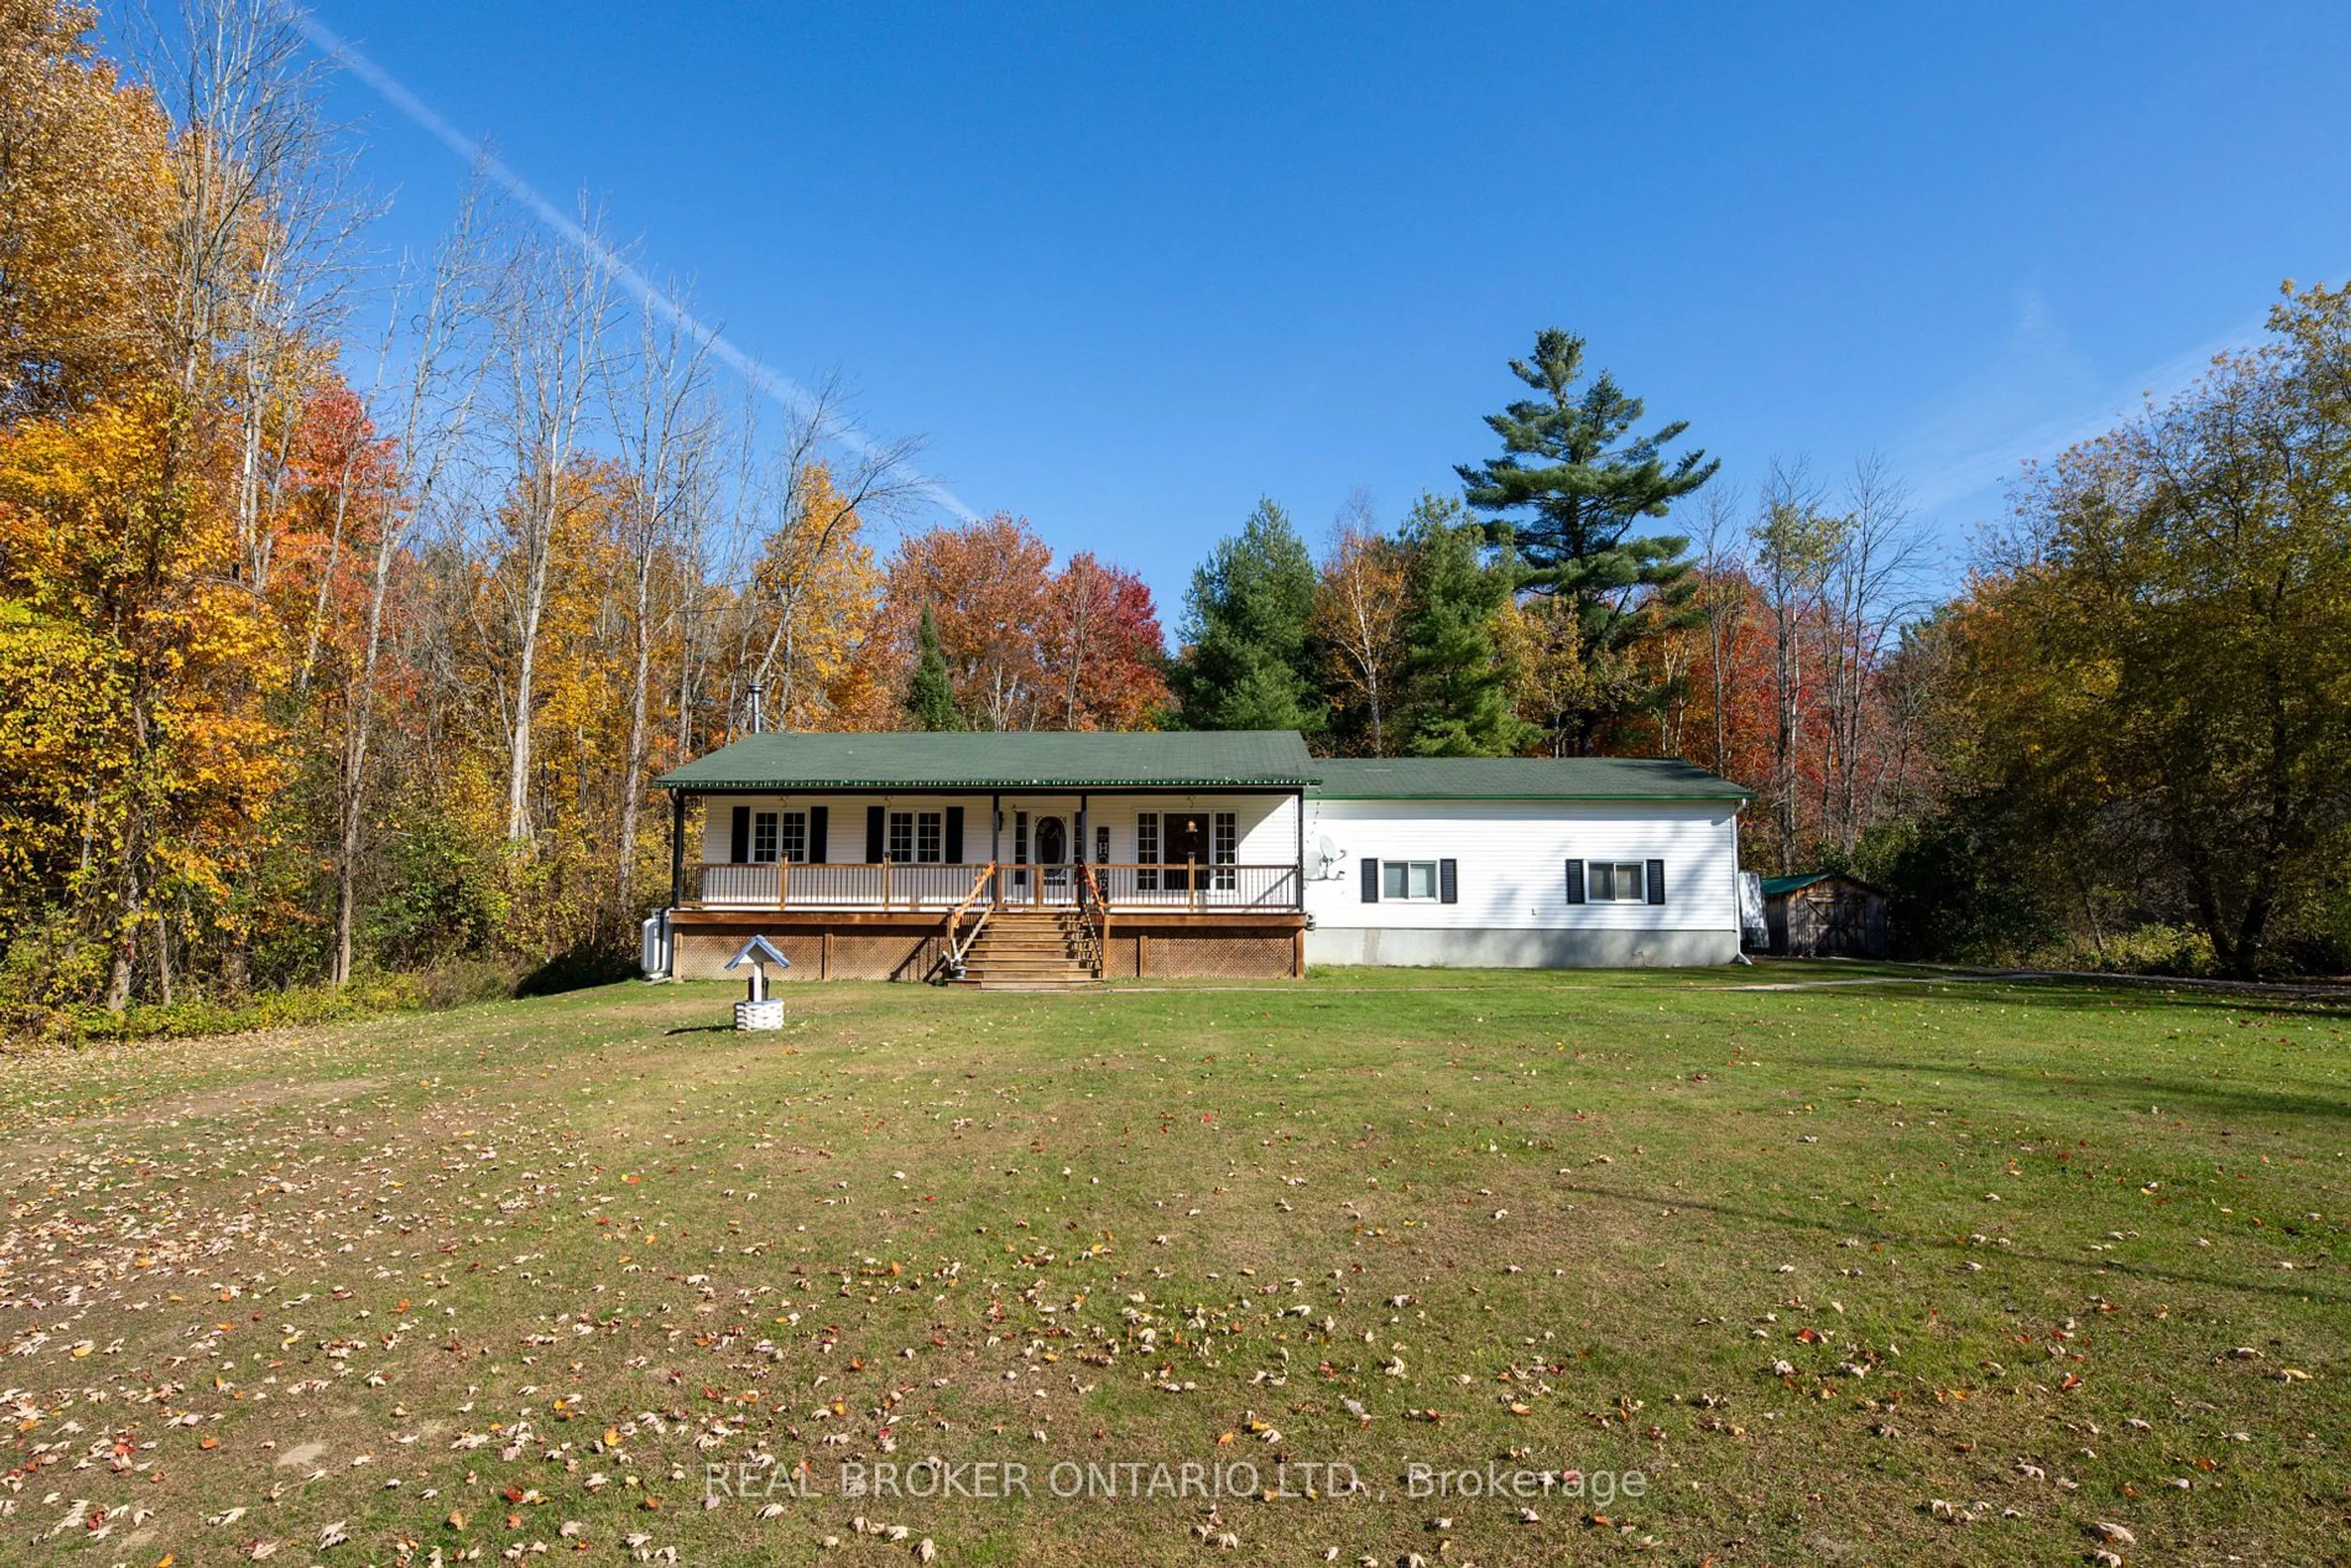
(349,606)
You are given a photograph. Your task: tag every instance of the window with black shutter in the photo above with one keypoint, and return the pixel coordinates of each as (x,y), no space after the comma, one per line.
(738,844)
(955,835)
(1371,882)
(1449,881)
(817,816)
(1656,882)
(876,829)
(1575,882)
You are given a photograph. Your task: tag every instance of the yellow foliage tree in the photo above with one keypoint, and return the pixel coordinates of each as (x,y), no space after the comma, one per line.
(117,564)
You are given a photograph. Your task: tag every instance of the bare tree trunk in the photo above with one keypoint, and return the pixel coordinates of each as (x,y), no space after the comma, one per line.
(1871,586)
(131,912)
(437,402)
(665,427)
(1721,570)
(518,742)
(632,787)
(553,330)
(1794,542)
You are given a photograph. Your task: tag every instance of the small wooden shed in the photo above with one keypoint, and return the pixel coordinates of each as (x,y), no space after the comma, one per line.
(1824,915)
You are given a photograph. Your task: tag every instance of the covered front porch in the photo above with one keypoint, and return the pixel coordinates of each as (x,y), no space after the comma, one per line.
(913,850)
(905,849)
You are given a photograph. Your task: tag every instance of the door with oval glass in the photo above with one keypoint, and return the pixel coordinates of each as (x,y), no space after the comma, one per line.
(1053,856)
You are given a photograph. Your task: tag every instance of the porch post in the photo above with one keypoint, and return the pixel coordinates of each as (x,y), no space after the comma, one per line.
(994,850)
(676,848)
(1079,856)
(1298,898)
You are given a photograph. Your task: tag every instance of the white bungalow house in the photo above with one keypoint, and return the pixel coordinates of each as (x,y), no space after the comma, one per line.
(1054,857)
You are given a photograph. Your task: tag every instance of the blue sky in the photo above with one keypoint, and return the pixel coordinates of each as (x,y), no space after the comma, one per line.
(1127,268)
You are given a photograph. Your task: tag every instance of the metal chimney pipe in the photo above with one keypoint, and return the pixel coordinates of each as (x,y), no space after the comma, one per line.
(758,703)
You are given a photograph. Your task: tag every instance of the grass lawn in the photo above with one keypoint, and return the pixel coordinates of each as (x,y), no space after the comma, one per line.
(1886,1271)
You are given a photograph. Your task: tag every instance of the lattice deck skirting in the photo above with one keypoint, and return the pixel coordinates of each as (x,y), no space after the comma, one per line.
(1192,954)
(909,948)
(816,954)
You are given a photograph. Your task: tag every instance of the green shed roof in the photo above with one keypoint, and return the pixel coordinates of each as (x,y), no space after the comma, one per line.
(1248,758)
(1796,881)
(1521,778)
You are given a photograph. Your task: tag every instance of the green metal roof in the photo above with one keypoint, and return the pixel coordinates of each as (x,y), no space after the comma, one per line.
(1261,759)
(1248,758)
(1521,778)
(1781,887)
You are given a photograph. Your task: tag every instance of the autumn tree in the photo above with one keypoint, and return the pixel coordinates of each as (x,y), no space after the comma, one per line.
(293,664)
(818,630)
(82,216)
(986,583)
(1538,641)
(1103,649)
(133,292)
(122,597)
(2151,666)
(1358,622)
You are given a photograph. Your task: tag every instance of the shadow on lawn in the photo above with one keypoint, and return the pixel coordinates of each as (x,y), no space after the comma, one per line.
(2027,987)
(2132,1093)
(2304,1289)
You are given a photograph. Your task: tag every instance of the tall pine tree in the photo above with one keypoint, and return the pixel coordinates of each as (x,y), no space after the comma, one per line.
(930,694)
(1572,485)
(1456,682)
(1245,663)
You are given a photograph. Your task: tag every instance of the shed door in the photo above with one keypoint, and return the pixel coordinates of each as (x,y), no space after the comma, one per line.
(1840,927)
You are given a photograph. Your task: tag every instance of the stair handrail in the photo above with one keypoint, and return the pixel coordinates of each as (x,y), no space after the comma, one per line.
(1093,912)
(959,945)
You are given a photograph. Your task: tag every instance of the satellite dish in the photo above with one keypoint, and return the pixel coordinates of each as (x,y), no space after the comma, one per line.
(1327,857)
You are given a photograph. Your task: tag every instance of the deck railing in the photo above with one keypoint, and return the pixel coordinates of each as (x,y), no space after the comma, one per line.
(1197,884)
(928,885)
(832,886)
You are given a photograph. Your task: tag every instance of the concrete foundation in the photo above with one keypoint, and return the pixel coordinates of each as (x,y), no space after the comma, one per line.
(1409,948)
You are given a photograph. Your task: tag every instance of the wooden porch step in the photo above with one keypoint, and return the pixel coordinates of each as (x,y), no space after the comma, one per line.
(1029,949)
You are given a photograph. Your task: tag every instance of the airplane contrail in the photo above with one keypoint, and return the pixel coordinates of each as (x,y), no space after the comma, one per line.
(772,382)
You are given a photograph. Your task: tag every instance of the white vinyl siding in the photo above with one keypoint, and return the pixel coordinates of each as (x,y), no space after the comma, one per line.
(1511,855)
